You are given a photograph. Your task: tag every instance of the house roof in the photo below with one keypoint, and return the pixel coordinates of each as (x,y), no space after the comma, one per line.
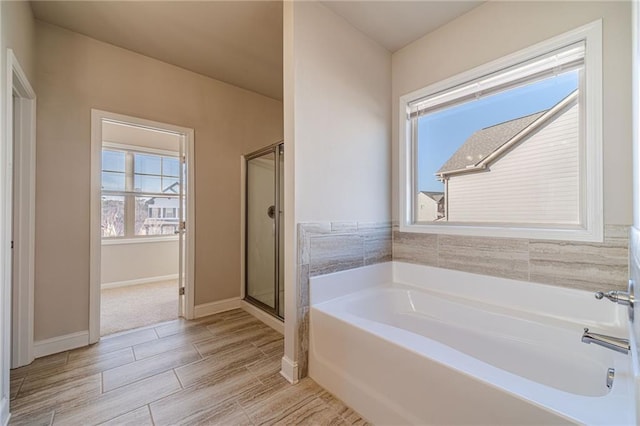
(484,142)
(435,196)
(485,145)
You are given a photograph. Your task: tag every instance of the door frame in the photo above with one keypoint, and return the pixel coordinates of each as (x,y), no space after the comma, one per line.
(95,250)
(271,313)
(20,180)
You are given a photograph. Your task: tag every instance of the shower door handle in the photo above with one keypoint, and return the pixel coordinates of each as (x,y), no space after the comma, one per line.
(271,211)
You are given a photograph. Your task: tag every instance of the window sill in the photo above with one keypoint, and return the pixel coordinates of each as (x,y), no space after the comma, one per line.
(139,240)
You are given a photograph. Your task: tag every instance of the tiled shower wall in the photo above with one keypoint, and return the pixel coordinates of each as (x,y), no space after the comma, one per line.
(331,247)
(585,266)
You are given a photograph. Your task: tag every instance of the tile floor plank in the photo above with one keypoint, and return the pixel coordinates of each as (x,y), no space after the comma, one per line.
(208,370)
(35,407)
(112,404)
(71,371)
(196,405)
(114,343)
(283,403)
(219,370)
(41,365)
(14,387)
(137,417)
(158,346)
(147,367)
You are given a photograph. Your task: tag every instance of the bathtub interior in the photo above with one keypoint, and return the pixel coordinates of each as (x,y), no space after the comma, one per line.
(530,347)
(510,334)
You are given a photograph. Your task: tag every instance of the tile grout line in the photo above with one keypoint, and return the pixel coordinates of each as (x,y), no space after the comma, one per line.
(244,411)
(177,377)
(151,414)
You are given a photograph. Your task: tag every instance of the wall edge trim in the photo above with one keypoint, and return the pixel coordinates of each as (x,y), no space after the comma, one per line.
(289,370)
(267,319)
(127,283)
(62,343)
(216,307)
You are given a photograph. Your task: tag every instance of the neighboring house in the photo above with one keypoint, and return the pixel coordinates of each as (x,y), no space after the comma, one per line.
(488,179)
(163,212)
(430,206)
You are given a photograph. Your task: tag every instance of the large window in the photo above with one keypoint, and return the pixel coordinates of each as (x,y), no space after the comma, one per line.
(512,148)
(140,193)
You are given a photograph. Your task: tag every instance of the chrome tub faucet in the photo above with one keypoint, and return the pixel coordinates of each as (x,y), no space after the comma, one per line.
(614,343)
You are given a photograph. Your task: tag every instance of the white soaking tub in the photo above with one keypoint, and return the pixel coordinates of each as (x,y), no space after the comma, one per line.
(409,344)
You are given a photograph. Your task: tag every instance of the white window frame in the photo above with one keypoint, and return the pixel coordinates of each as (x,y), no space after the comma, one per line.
(132,238)
(591,186)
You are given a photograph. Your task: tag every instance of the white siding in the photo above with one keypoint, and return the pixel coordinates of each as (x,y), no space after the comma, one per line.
(536,182)
(427,208)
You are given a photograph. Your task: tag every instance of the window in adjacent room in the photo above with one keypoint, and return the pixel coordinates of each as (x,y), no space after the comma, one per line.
(140,193)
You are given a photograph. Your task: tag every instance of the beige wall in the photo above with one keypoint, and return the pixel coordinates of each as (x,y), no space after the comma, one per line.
(18,33)
(75,74)
(496,29)
(138,261)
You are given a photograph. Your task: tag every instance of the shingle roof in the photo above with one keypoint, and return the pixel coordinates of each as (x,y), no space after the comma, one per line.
(435,196)
(484,142)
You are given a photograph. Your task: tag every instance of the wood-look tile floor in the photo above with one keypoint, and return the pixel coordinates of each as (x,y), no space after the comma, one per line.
(223,369)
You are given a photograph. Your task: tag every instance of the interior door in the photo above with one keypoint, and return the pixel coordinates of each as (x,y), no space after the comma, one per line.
(261,230)
(181,231)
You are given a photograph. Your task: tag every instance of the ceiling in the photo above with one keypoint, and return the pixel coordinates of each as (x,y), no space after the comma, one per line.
(394,24)
(238,42)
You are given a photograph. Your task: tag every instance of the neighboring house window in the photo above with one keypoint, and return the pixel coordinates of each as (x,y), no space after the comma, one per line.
(512,148)
(138,189)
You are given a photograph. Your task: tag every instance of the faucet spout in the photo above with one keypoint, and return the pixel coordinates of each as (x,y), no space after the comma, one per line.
(609,342)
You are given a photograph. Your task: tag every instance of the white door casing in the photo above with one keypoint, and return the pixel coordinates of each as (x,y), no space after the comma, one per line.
(97,118)
(21,131)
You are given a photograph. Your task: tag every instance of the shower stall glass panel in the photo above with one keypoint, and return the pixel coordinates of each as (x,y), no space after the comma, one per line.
(264,253)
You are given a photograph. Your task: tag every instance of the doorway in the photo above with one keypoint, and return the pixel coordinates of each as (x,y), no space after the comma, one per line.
(142,223)
(264,229)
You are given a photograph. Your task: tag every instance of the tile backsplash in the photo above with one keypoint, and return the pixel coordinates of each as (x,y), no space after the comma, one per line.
(582,265)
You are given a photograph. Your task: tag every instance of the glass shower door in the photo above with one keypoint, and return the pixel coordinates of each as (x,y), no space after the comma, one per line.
(264,247)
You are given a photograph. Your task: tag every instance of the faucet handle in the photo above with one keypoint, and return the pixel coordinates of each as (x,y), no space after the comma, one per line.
(616,296)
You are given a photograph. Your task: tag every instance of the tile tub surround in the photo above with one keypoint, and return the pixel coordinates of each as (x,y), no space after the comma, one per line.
(326,247)
(574,264)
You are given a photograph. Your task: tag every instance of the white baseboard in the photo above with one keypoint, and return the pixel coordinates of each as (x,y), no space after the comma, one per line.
(116,284)
(4,411)
(211,308)
(269,320)
(289,370)
(60,344)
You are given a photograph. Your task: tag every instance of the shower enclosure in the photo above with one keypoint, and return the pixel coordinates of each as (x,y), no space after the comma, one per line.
(264,229)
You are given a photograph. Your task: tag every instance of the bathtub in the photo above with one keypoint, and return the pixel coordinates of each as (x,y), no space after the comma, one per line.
(410,344)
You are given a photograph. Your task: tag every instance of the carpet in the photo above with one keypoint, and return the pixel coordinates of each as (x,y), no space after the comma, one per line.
(124,308)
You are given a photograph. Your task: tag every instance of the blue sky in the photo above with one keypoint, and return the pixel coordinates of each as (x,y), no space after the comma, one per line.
(441,134)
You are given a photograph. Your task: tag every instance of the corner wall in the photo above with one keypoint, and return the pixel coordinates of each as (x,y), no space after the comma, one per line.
(75,74)
(17,33)
(486,33)
(337,89)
